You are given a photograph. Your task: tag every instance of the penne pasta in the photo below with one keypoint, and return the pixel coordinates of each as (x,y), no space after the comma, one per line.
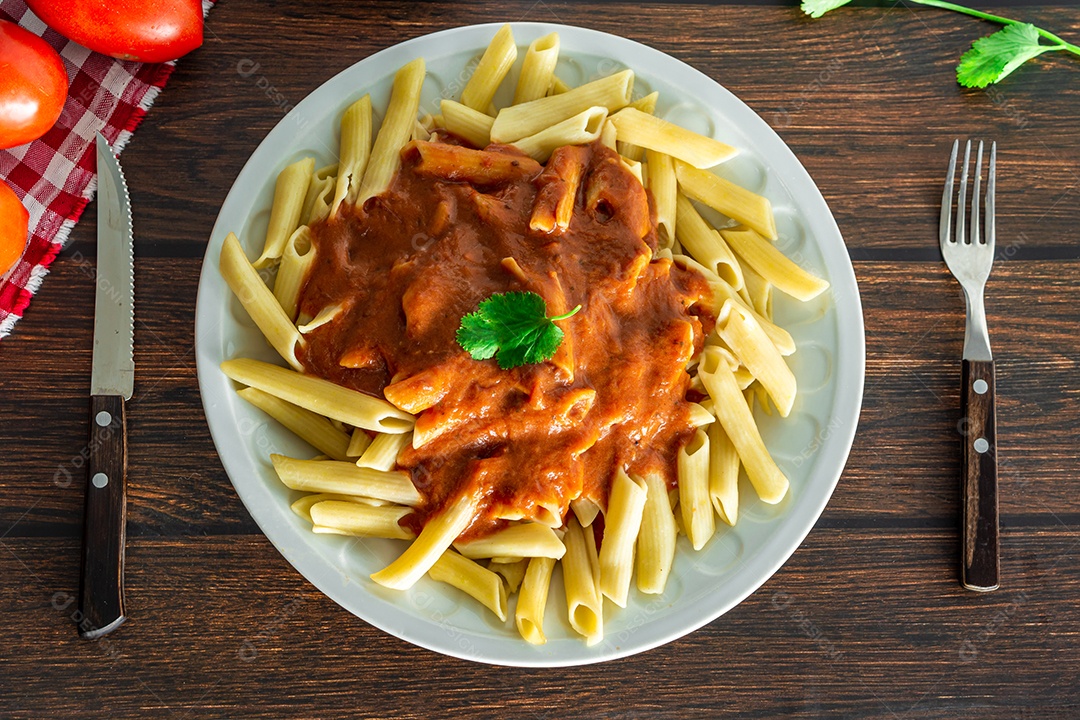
(518,121)
(744,294)
(773,265)
(550,514)
(296,260)
(532,600)
(705,244)
(758,291)
(319,195)
(421,391)
(326,315)
(635,169)
(358,443)
(538,68)
(490,72)
(397,127)
(755,351)
(727,198)
(420,132)
(355,151)
(722,293)
(320,396)
(472,579)
(592,552)
(744,378)
(302,507)
(723,474)
(528,539)
(656,539)
(345,478)
(558,87)
(289,194)
(585,510)
(335,517)
(559,183)
(382,453)
(694,502)
(435,539)
(646,105)
(735,417)
(608,134)
(258,301)
(621,527)
(581,129)
(463,121)
(480,167)
(584,604)
(314,429)
(512,571)
(660,180)
(653,133)
(700,416)
(468,179)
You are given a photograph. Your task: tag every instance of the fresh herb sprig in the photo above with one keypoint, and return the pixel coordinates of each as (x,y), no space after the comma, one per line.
(513,328)
(991,58)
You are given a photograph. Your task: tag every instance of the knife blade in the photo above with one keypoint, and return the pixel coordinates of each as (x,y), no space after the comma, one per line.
(101,594)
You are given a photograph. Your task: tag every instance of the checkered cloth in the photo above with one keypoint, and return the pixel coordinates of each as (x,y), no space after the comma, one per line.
(54,176)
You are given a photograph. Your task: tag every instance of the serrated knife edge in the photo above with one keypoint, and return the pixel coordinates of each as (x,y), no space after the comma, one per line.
(114,317)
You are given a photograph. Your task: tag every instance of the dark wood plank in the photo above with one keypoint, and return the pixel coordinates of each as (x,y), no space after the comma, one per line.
(829,635)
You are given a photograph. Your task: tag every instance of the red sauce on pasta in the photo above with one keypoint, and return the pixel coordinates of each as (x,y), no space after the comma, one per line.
(415,259)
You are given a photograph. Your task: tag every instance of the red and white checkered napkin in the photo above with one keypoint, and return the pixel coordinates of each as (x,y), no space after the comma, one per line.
(54,176)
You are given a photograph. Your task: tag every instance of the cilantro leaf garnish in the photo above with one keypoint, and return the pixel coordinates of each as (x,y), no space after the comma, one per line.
(993,57)
(512,327)
(817,8)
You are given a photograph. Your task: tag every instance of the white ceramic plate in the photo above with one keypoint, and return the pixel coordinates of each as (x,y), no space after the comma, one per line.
(811,446)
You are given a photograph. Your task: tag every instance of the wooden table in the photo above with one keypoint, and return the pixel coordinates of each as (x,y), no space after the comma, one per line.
(867,618)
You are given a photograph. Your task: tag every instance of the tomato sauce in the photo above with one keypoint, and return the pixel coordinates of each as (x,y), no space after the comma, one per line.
(414,260)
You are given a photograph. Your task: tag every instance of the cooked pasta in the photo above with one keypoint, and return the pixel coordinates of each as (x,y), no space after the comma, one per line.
(590,458)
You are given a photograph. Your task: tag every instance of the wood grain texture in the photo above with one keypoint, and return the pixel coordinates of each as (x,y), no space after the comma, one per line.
(101,586)
(979,559)
(866,620)
(821,638)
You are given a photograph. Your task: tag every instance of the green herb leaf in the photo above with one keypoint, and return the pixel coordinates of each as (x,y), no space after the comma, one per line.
(993,57)
(817,8)
(514,328)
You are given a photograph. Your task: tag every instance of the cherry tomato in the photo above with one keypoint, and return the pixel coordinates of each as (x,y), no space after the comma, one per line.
(13,228)
(143,30)
(33,85)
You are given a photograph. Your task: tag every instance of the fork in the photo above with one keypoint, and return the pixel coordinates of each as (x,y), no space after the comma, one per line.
(969,258)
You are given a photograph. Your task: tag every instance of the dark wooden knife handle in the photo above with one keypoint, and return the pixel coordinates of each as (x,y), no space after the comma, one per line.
(979,565)
(101,596)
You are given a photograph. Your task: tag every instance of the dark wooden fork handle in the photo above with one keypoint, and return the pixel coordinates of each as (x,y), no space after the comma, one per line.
(979,565)
(101,597)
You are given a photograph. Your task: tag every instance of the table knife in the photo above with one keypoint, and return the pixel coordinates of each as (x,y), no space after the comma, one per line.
(101,596)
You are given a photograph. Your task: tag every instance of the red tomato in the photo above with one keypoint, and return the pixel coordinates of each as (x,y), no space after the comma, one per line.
(13,228)
(33,85)
(143,30)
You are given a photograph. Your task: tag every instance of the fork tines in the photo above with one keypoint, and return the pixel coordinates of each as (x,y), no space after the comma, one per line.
(975,237)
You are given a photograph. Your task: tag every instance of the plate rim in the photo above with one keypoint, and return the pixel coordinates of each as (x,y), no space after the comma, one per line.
(847,398)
